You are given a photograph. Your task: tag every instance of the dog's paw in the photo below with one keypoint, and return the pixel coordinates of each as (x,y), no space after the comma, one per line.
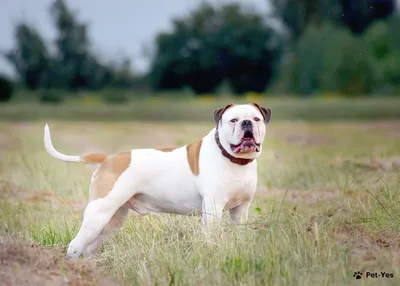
(74,251)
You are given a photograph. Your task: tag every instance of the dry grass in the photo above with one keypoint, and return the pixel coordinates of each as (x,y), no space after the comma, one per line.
(319,215)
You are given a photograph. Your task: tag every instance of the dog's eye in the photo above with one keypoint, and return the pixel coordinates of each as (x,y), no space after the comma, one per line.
(256,119)
(234,120)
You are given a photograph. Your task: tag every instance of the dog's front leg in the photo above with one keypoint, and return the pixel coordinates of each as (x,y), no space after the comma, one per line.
(211,211)
(240,213)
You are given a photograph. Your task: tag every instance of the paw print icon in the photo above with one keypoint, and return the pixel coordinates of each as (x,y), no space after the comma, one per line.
(357,275)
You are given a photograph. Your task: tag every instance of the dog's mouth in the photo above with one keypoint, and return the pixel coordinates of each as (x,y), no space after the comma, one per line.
(247,144)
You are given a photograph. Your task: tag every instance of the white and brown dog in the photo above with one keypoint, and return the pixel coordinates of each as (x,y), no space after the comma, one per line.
(217,173)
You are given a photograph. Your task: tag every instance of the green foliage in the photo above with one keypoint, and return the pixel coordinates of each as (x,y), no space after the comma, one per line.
(51,96)
(307,63)
(76,67)
(329,59)
(355,74)
(216,43)
(6,89)
(356,15)
(113,96)
(226,44)
(383,40)
(53,234)
(359,15)
(298,15)
(29,57)
(174,108)
(73,65)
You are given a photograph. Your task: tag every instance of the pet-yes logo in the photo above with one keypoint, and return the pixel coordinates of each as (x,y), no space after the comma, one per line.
(358,275)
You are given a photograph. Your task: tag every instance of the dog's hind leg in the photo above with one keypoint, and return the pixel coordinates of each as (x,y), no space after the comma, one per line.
(111,188)
(98,214)
(112,227)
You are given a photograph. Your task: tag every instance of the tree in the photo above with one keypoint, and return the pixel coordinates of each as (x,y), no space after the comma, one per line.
(187,56)
(216,43)
(72,66)
(6,88)
(342,64)
(73,58)
(357,15)
(297,15)
(252,49)
(119,74)
(75,65)
(30,57)
(383,41)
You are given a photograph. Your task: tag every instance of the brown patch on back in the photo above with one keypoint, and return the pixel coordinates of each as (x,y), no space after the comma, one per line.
(108,173)
(193,155)
(166,149)
(93,158)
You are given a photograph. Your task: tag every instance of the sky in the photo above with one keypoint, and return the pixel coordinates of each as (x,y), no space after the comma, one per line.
(140,22)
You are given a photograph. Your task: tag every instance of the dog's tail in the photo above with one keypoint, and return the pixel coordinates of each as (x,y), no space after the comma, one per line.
(88,159)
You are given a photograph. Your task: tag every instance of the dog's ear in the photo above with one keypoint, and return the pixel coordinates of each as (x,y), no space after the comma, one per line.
(219,112)
(266,112)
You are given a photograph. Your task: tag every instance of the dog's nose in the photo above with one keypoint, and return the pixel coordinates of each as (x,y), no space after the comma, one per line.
(246,124)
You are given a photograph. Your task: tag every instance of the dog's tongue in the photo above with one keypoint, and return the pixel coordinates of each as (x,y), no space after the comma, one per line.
(245,147)
(237,149)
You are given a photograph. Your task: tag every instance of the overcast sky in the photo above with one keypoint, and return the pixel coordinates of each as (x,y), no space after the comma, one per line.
(119,26)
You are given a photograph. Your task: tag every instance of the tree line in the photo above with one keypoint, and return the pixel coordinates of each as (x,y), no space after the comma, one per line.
(69,63)
(301,46)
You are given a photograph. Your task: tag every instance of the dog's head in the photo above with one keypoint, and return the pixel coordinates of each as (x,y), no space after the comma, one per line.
(242,129)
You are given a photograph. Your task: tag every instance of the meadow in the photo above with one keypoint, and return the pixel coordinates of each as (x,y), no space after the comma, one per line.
(327,203)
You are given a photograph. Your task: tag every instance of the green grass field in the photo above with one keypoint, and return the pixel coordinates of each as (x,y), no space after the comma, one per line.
(169,107)
(327,204)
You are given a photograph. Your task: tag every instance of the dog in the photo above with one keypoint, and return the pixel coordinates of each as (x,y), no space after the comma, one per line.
(215,174)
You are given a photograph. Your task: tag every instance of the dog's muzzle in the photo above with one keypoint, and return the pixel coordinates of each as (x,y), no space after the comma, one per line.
(247,143)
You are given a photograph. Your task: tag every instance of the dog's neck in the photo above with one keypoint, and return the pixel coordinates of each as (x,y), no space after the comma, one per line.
(239,161)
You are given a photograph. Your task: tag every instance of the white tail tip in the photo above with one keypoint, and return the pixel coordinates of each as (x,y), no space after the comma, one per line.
(53,152)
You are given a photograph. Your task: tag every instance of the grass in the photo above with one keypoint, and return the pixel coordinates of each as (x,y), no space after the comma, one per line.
(171,108)
(327,203)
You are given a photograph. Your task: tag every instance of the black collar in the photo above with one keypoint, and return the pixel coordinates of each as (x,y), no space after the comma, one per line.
(239,161)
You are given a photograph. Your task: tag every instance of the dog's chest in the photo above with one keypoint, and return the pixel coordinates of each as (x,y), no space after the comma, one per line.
(239,192)
(236,187)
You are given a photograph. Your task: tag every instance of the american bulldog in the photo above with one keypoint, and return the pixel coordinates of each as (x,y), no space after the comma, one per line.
(216,173)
